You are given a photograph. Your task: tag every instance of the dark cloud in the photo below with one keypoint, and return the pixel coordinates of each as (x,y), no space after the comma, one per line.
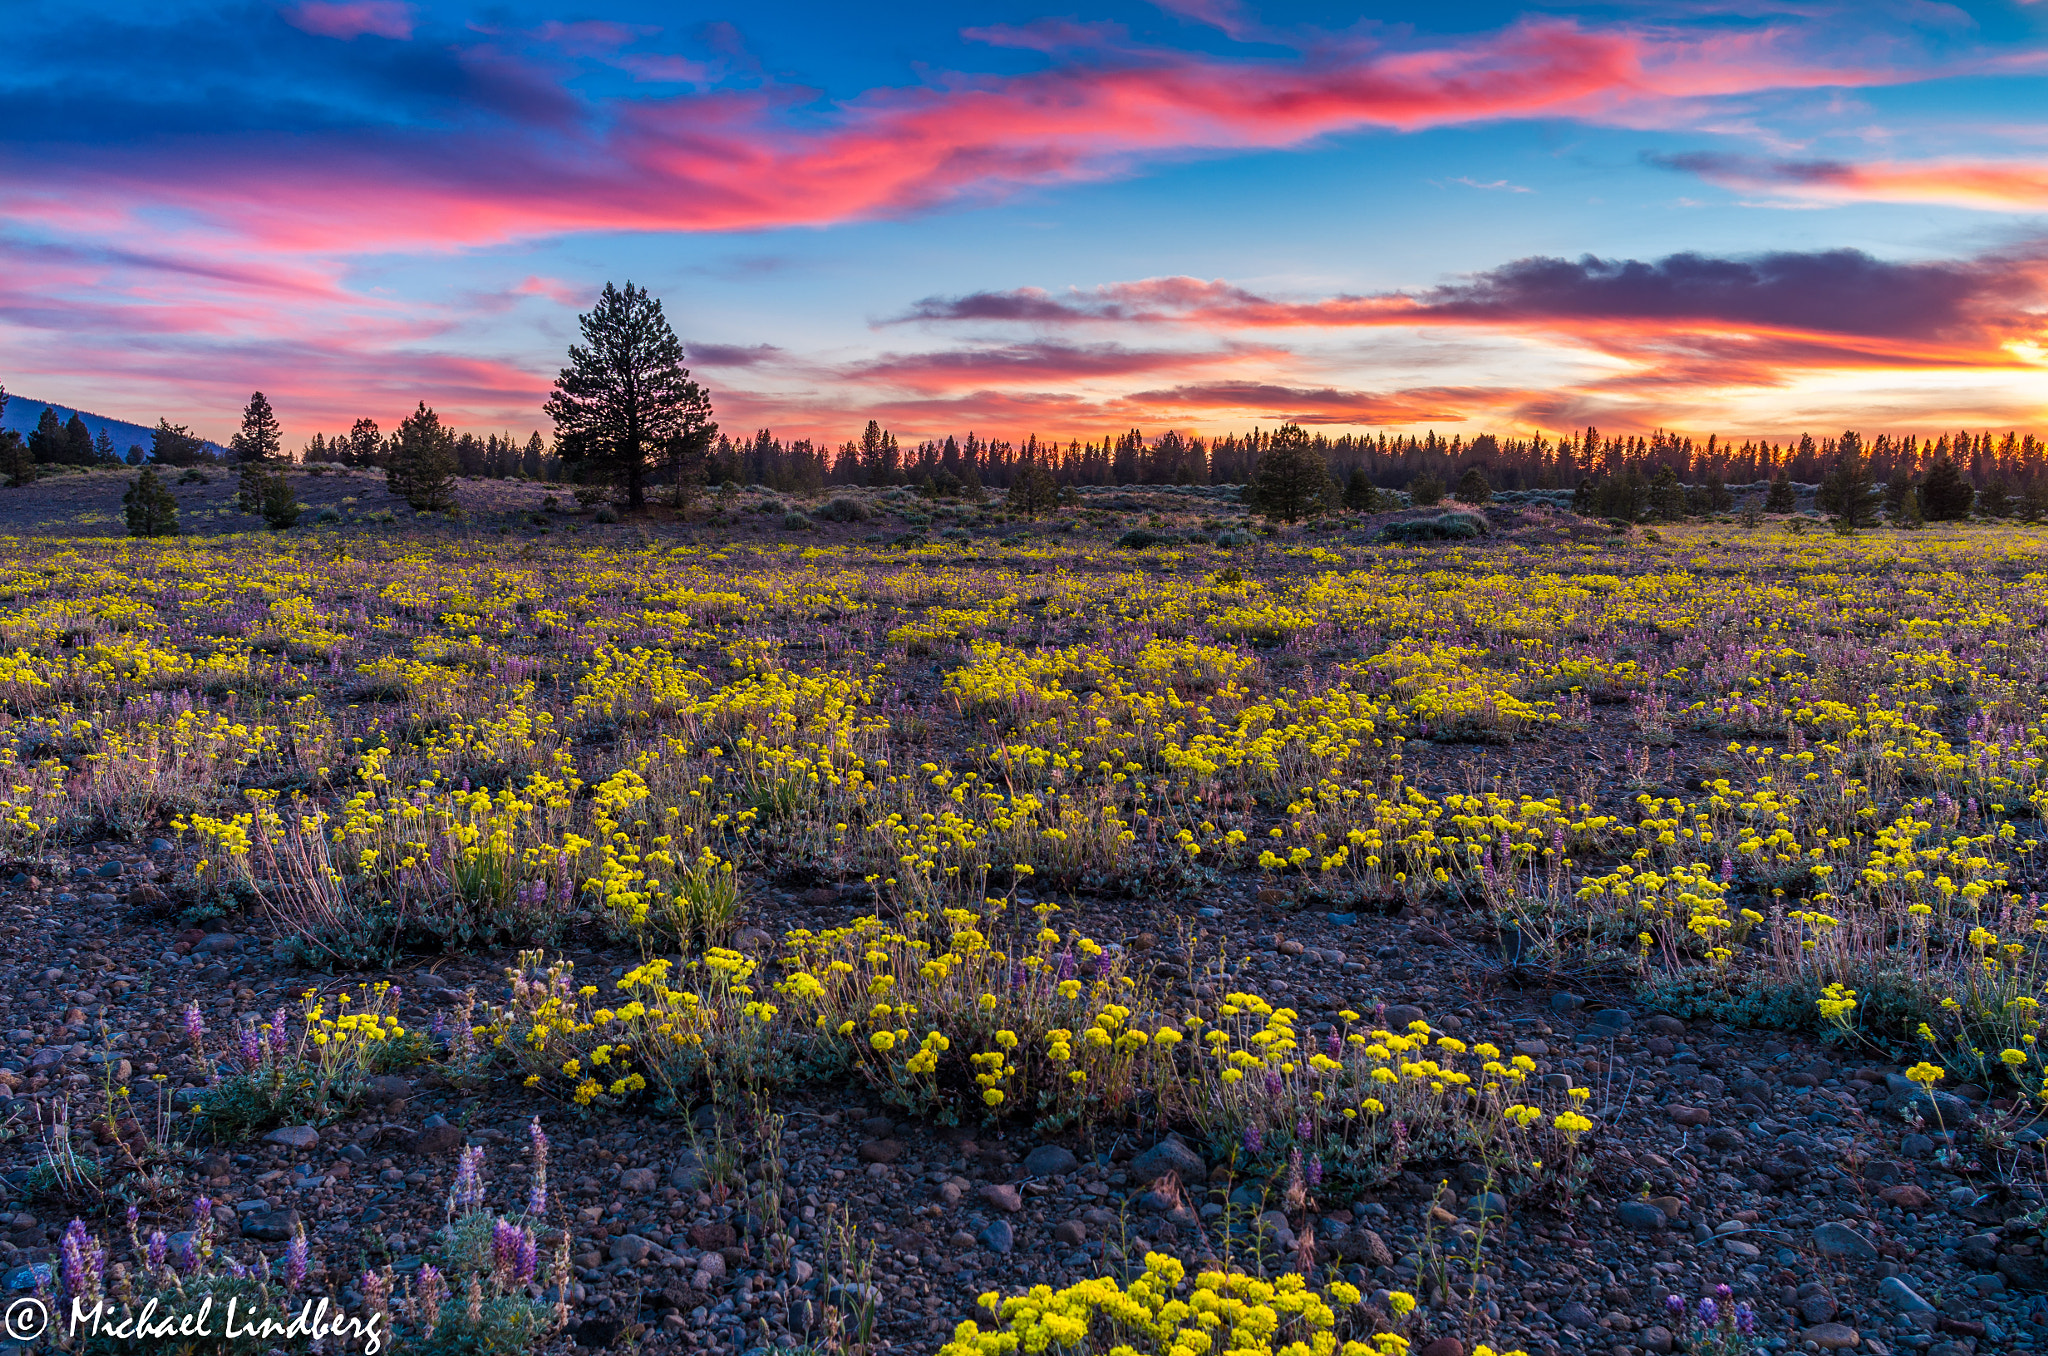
(732,355)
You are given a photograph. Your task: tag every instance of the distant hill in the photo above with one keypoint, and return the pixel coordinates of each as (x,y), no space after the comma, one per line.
(22,414)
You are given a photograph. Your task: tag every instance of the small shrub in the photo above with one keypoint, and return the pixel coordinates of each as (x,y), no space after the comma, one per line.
(843,510)
(329,514)
(604,515)
(1137,539)
(794,521)
(1447,527)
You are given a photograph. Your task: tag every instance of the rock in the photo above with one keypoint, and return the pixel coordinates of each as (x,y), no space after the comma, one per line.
(385,1090)
(1566,1002)
(1837,1239)
(1902,1297)
(631,1249)
(961,1240)
(637,1180)
(1724,1138)
(437,1139)
(1275,1226)
(597,1333)
(1662,1025)
(1689,1115)
(1071,1232)
(24,1278)
(1907,1196)
(1401,1014)
(686,1174)
(998,1237)
(1003,1197)
(1612,1020)
(1534,1049)
(1916,1146)
(1368,1247)
(1444,1346)
(711,1237)
(218,944)
(710,1268)
(1833,1336)
(880,1151)
(1818,1307)
(161,845)
(1746,1251)
(1641,1216)
(271,1226)
(1050,1160)
(109,870)
(1168,1155)
(1658,1339)
(2024,1273)
(48,1059)
(186,1098)
(1576,1315)
(293,1136)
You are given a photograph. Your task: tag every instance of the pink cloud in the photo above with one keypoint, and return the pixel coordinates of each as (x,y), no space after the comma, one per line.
(352,18)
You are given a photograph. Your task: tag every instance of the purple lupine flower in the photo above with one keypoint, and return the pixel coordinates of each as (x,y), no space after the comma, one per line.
(237,1270)
(428,1299)
(280,1033)
(1675,1305)
(1066,965)
(84,1261)
(202,1209)
(1273,1084)
(132,1215)
(1315,1171)
(537,1194)
(376,1292)
(195,1025)
(1710,1312)
(251,1047)
(1334,1046)
(1745,1318)
(1727,870)
(157,1246)
(468,1192)
(295,1261)
(528,1265)
(1303,1128)
(1723,1293)
(1254,1142)
(187,1258)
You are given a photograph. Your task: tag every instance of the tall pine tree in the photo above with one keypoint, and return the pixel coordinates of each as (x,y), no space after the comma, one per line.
(626,403)
(421,465)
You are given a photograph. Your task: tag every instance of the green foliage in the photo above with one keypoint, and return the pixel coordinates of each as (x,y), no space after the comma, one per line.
(261,437)
(1473,487)
(422,464)
(1291,481)
(1945,497)
(842,510)
(1446,527)
(1425,491)
(1848,491)
(1781,498)
(1035,491)
(626,403)
(151,509)
(1360,495)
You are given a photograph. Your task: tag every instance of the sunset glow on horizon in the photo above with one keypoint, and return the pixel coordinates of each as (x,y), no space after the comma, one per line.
(1194,214)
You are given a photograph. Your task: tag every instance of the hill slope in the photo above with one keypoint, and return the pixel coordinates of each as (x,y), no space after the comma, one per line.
(22,413)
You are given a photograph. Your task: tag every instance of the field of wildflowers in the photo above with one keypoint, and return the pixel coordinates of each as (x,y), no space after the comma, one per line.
(1756,775)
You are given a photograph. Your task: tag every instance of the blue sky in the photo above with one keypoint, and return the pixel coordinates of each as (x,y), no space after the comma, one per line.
(1200,215)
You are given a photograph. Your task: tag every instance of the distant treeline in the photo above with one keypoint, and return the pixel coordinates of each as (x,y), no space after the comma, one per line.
(1390,462)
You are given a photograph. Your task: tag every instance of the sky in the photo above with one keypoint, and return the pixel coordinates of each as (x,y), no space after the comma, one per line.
(1746,217)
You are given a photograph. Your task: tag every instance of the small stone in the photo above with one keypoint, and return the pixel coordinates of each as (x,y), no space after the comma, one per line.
(1486,1205)
(1444,1346)
(1658,1340)
(1071,1231)
(1576,1315)
(1534,1049)
(710,1267)
(1833,1336)
(1818,1307)
(437,1139)
(1723,1138)
(1746,1251)
(1690,1115)
(637,1180)
(1401,1014)
(1050,1160)
(1003,1197)
(1168,1155)
(271,1226)
(24,1278)
(998,1237)
(1641,1216)
(1612,1019)
(2024,1273)
(293,1136)
(880,1151)
(385,1090)
(961,1240)
(1836,1239)
(1566,1002)
(1902,1296)
(711,1237)
(1916,1146)
(631,1249)
(1663,1025)
(1907,1196)
(597,1333)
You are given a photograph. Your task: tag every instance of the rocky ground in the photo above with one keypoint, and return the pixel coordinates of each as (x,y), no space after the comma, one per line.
(1788,1173)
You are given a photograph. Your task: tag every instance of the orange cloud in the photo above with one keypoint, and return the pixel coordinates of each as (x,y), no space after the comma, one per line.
(1996,186)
